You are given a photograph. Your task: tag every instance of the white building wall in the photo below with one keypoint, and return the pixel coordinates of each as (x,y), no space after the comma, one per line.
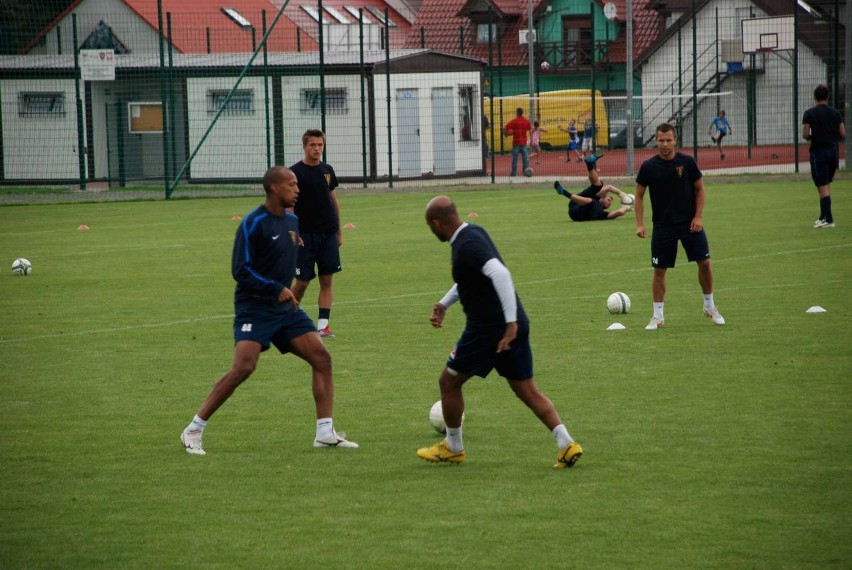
(42,146)
(468,154)
(236,146)
(344,151)
(665,86)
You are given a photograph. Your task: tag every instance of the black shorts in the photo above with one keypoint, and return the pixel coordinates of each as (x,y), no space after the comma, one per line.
(320,251)
(475,354)
(664,242)
(824,162)
(717,138)
(267,328)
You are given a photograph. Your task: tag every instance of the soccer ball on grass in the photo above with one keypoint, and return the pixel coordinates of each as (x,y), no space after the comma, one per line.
(618,303)
(436,417)
(22,266)
(628,200)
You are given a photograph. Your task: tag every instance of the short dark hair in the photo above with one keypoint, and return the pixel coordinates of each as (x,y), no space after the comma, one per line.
(312,133)
(821,93)
(273,176)
(519,111)
(666,128)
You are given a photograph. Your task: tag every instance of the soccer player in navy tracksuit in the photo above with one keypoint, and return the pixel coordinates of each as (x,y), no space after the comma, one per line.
(823,127)
(267,313)
(677,197)
(496,335)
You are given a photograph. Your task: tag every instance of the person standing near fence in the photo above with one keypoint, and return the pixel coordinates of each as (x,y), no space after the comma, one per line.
(518,128)
(722,126)
(573,140)
(319,226)
(266,311)
(823,127)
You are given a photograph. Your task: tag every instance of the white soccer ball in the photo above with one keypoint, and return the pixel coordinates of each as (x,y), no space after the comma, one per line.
(22,266)
(528,172)
(618,303)
(545,66)
(436,417)
(628,200)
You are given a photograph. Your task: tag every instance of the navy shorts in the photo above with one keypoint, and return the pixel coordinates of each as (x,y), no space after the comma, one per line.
(824,162)
(267,328)
(664,245)
(718,136)
(475,354)
(320,250)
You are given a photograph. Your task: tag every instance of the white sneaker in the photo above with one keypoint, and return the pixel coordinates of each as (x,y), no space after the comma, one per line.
(191,441)
(654,324)
(336,440)
(715,316)
(823,224)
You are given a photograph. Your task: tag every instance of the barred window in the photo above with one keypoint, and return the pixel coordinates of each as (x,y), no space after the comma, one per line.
(335,102)
(241,102)
(41,104)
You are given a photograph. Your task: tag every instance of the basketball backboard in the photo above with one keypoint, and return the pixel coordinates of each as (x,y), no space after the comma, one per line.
(768,34)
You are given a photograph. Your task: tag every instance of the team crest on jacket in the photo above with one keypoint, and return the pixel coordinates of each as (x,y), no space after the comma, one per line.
(679,171)
(328,179)
(292,237)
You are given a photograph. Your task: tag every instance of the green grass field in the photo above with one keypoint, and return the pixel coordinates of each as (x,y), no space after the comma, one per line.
(705,446)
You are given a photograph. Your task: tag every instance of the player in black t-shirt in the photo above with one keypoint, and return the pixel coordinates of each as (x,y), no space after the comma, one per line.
(592,203)
(266,312)
(496,335)
(319,225)
(676,188)
(823,127)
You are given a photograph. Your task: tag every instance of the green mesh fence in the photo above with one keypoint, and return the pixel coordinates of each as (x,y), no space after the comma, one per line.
(170,94)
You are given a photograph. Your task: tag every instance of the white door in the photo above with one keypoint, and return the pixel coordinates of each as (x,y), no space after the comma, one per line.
(443,131)
(408,132)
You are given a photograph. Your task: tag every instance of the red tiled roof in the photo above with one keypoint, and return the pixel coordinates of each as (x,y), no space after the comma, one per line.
(303,20)
(646,30)
(442,22)
(191,19)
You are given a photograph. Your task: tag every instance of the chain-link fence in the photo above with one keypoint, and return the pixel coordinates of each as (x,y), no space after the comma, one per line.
(172,97)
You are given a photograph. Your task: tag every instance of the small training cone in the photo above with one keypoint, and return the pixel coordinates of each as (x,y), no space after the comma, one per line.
(616,327)
(816,309)
(83,227)
(473,215)
(236,217)
(349,226)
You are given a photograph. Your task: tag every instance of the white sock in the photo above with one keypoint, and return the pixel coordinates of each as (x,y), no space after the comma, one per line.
(197,424)
(454,439)
(321,324)
(658,311)
(325,428)
(708,302)
(560,432)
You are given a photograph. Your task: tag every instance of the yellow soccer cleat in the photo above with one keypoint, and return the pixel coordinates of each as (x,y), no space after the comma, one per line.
(568,456)
(441,452)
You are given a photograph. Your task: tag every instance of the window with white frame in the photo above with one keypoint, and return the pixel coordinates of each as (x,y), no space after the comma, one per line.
(336,102)
(32,104)
(241,102)
(467,97)
(482,33)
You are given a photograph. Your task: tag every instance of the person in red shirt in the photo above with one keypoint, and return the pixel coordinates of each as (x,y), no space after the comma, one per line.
(518,129)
